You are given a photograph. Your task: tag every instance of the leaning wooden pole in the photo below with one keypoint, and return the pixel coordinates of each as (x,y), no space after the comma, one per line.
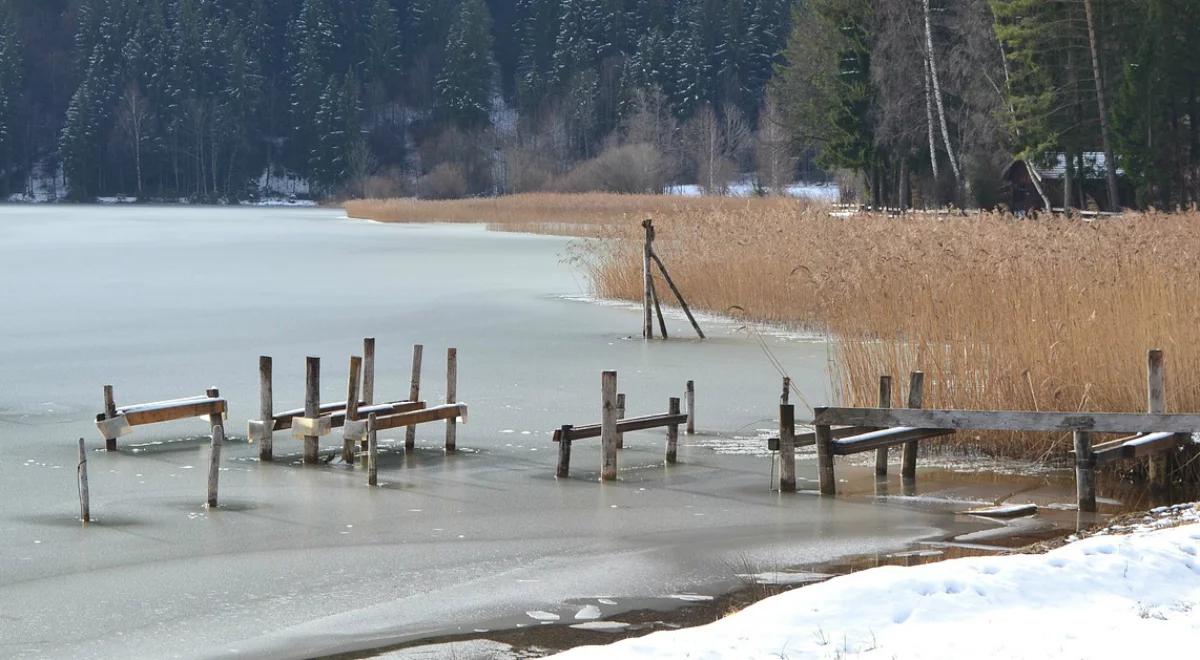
(1158,467)
(352,394)
(885,401)
(678,296)
(368,371)
(647,322)
(414,395)
(312,406)
(266,409)
(916,397)
(608,425)
(85,507)
(214,463)
(662,322)
(452,397)
(787,448)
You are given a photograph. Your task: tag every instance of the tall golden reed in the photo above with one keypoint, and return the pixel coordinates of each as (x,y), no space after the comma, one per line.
(999,312)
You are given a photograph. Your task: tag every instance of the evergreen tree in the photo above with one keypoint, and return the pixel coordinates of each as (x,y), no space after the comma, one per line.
(464,85)
(11,71)
(339,125)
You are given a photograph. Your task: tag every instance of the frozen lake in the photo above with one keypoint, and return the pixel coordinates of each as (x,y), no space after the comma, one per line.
(297,562)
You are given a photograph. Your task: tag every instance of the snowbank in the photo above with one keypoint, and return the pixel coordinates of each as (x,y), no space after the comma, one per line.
(1107,596)
(827,192)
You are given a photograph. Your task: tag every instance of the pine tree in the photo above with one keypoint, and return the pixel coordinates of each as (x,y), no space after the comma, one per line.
(313,48)
(464,85)
(11,70)
(383,52)
(339,124)
(538,26)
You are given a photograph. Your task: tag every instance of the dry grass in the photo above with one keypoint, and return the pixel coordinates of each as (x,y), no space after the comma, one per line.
(1048,314)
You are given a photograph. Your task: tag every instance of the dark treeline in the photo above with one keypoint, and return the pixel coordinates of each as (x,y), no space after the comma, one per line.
(929,100)
(196,99)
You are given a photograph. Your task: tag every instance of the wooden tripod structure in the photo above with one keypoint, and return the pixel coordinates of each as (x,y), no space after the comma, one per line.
(650,292)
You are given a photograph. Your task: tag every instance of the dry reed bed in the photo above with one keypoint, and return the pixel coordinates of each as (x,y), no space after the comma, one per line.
(1047,314)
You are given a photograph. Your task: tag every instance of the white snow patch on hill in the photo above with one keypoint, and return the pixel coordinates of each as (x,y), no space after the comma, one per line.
(1107,596)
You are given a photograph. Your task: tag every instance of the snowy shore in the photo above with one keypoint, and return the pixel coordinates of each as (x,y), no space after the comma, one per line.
(1131,590)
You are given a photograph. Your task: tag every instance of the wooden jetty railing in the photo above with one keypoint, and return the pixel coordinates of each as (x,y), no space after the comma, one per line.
(614,425)
(116,421)
(1152,434)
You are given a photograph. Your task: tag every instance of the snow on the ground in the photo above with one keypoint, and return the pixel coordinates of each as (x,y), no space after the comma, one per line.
(1107,596)
(827,192)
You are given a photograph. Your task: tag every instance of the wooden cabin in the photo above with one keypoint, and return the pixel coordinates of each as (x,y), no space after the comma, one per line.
(1037,185)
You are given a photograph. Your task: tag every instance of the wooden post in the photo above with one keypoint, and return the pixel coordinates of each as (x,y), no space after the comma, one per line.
(214,420)
(266,409)
(672,432)
(1157,468)
(825,474)
(662,322)
(885,401)
(356,367)
(916,396)
(312,406)
(214,463)
(647,322)
(372,452)
(85,508)
(451,397)
(608,425)
(691,407)
(110,411)
(787,389)
(678,296)
(1085,472)
(564,453)
(368,371)
(620,415)
(414,394)
(787,448)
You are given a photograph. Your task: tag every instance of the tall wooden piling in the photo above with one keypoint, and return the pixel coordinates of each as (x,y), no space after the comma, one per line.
(266,409)
(620,416)
(824,442)
(885,401)
(691,407)
(352,394)
(451,397)
(1158,465)
(368,371)
(85,507)
(787,448)
(372,452)
(672,432)
(414,394)
(214,463)
(110,411)
(608,425)
(647,321)
(564,452)
(916,397)
(1085,472)
(312,406)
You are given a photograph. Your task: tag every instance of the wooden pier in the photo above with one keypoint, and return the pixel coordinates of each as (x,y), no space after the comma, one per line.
(117,421)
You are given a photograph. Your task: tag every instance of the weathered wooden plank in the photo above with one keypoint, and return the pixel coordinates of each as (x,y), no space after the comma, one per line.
(809,438)
(368,370)
(626,425)
(916,399)
(884,438)
(414,394)
(885,401)
(423,416)
(1085,472)
(608,424)
(825,474)
(351,414)
(283,420)
(1149,444)
(1010,420)
(161,405)
(199,408)
(1157,467)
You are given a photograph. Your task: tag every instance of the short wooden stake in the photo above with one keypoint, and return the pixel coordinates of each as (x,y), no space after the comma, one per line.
(916,396)
(214,463)
(110,411)
(620,415)
(1085,472)
(312,406)
(266,409)
(356,366)
(1157,465)
(673,432)
(825,475)
(691,407)
(85,508)
(608,425)
(564,452)
(787,448)
(451,397)
(647,321)
(368,371)
(885,401)
(414,394)
(372,452)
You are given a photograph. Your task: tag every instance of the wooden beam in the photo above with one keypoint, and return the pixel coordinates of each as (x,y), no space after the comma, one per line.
(434,414)
(110,411)
(916,399)
(564,452)
(620,416)
(451,397)
(809,438)
(266,406)
(214,463)
(691,407)
(825,474)
(678,296)
(372,450)
(352,380)
(368,370)
(85,508)
(414,394)
(1010,420)
(884,438)
(885,401)
(787,448)
(1157,467)
(673,431)
(1138,446)
(312,406)
(626,425)
(173,412)
(1085,472)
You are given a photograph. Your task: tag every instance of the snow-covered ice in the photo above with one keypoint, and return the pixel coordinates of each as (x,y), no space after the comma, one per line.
(1107,596)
